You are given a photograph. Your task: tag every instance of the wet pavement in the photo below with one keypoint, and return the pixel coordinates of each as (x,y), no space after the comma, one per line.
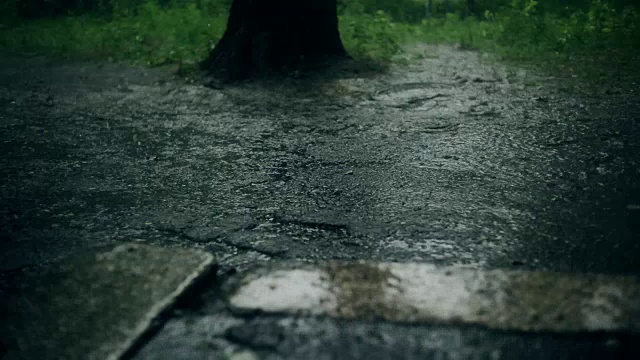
(454,160)
(421,293)
(405,311)
(100,305)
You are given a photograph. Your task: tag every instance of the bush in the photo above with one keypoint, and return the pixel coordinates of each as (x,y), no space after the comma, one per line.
(526,28)
(371,37)
(399,10)
(158,32)
(183,31)
(149,34)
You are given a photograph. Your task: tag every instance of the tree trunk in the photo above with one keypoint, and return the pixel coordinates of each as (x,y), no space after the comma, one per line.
(270,35)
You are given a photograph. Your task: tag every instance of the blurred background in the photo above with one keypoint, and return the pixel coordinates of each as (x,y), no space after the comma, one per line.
(158,32)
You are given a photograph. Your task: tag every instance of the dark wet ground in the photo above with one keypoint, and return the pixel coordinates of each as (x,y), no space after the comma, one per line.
(453,160)
(277,337)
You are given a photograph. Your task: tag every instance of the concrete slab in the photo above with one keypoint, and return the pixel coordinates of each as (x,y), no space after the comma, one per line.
(97,306)
(420,293)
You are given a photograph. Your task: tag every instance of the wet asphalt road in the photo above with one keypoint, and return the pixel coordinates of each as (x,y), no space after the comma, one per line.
(453,160)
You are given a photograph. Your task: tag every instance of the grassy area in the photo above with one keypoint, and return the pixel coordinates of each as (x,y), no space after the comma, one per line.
(150,35)
(155,32)
(588,42)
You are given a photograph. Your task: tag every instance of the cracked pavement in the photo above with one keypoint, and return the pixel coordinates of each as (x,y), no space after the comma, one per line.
(454,160)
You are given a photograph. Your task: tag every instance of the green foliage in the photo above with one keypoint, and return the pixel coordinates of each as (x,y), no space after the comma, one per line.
(183,31)
(157,35)
(539,29)
(467,32)
(411,11)
(526,28)
(371,37)
(158,32)
(148,34)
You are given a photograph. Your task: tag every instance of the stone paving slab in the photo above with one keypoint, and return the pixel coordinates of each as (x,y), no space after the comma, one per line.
(420,293)
(223,336)
(98,305)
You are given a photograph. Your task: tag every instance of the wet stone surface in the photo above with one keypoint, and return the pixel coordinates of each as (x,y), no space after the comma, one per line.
(340,311)
(98,304)
(275,337)
(453,160)
(422,293)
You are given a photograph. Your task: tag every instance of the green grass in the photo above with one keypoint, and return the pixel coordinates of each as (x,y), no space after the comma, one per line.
(185,31)
(152,35)
(578,43)
(155,35)
(372,37)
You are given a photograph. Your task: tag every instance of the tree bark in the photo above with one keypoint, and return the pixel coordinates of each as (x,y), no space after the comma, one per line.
(263,36)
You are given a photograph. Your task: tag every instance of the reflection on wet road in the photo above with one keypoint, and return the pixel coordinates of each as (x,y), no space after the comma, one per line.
(454,165)
(451,161)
